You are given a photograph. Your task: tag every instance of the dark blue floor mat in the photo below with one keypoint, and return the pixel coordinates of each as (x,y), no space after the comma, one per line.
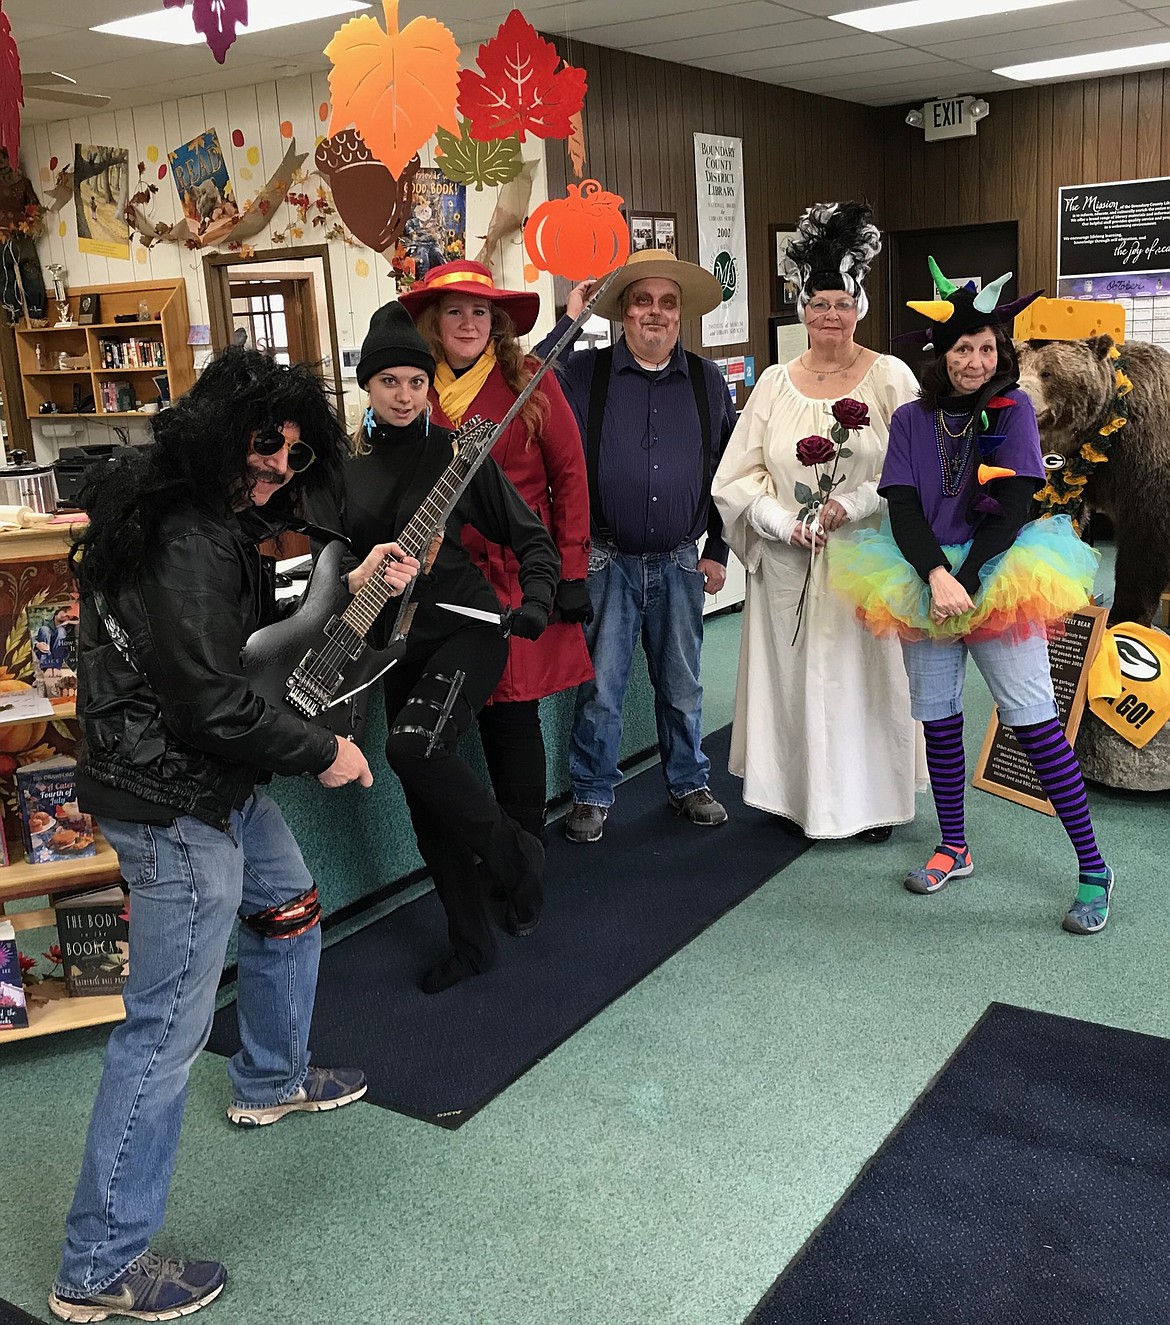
(1029,1185)
(614,911)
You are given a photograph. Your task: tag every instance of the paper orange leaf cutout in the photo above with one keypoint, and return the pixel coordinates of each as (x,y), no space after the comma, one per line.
(520,90)
(580,237)
(577,145)
(394,87)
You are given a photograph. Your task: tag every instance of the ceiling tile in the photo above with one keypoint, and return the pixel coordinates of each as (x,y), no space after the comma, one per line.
(1046,38)
(696,50)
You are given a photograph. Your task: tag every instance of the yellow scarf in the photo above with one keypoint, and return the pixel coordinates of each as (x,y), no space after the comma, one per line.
(457,393)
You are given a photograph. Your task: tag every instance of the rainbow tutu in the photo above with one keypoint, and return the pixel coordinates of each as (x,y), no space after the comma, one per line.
(1045,574)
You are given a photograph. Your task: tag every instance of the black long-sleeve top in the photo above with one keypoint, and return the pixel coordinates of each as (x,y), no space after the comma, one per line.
(384,488)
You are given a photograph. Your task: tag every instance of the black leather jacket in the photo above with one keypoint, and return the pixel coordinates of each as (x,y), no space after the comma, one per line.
(180,729)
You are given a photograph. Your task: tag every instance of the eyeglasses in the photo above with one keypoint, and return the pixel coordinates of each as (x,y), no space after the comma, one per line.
(270,440)
(819,307)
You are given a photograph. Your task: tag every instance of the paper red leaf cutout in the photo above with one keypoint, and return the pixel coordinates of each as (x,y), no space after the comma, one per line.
(11,93)
(520,90)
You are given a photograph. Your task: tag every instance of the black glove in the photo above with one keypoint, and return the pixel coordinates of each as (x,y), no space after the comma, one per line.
(573,601)
(529,620)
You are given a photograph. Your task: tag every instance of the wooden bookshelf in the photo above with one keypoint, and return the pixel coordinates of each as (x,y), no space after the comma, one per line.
(46,383)
(58,1012)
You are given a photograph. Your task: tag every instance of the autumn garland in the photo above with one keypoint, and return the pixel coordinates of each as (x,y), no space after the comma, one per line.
(1067,484)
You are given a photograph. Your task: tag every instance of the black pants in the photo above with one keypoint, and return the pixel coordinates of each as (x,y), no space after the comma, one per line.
(454,815)
(513,746)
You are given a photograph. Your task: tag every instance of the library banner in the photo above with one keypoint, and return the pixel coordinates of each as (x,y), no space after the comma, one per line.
(722,234)
(1113,229)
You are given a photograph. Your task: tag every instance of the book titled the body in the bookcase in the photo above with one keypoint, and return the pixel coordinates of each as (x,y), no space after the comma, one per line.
(13,1009)
(94,932)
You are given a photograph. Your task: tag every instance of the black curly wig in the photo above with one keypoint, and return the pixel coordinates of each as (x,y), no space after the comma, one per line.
(199,458)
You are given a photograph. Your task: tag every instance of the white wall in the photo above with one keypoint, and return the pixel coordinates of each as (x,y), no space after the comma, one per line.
(362,279)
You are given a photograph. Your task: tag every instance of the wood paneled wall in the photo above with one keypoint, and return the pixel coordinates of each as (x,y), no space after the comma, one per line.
(640,118)
(1034,141)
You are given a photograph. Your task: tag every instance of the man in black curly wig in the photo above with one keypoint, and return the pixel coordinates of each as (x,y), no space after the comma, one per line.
(174,744)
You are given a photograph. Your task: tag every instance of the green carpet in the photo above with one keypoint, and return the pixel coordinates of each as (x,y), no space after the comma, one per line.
(661,1165)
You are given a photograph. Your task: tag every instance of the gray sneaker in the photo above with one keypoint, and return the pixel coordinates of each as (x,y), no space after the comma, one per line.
(700,807)
(324,1088)
(152,1288)
(585,823)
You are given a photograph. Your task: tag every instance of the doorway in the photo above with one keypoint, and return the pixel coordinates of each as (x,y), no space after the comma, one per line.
(278,302)
(963,252)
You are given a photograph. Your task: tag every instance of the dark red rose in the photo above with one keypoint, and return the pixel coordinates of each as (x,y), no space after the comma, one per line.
(815,450)
(851,414)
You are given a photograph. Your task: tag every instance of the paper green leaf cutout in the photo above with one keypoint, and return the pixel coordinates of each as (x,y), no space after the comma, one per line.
(468,162)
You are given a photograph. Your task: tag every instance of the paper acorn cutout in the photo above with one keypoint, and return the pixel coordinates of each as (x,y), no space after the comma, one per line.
(373,204)
(582,236)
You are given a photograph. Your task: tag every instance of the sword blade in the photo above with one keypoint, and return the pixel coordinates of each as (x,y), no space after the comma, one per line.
(476,613)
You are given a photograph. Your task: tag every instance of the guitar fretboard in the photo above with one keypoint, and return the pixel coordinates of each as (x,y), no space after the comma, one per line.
(471,441)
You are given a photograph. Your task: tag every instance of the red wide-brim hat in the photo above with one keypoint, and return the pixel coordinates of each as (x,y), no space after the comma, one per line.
(473,278)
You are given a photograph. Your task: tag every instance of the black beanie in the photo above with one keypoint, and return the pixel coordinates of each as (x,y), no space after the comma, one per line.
(393,342)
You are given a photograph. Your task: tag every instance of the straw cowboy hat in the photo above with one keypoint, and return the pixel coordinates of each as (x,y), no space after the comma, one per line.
(701,292)
(473,278)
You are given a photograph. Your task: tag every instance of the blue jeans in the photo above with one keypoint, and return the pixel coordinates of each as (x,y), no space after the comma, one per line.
(1016,671)
(187,883)
(660,595)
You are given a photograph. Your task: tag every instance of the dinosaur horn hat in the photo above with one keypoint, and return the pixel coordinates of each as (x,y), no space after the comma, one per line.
(962,308)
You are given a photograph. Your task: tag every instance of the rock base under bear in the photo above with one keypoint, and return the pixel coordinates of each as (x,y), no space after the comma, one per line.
(1109,758)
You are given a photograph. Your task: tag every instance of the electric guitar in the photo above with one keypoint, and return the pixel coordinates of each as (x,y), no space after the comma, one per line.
(317,661)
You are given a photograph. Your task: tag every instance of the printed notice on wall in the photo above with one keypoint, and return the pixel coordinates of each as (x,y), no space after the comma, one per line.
(722,234)
(1003,768)
(1109,229)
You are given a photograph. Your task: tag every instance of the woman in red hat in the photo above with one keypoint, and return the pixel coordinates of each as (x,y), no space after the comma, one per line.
(471,327)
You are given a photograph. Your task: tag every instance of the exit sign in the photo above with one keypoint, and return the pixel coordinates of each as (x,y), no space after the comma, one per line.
(950,118)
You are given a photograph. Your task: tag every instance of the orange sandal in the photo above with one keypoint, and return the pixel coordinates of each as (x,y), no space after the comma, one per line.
(946,864)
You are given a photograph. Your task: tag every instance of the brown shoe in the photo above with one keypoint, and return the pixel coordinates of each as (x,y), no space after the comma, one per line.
(585,823)
(700,807)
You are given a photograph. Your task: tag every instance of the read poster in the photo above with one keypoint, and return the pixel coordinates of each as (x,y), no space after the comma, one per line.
(205,190)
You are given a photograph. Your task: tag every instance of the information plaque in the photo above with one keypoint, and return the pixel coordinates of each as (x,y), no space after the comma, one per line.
(1002,767)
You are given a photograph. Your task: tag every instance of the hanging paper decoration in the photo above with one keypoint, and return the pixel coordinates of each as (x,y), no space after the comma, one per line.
(581,237)
(217,21)
(508,215)
(576,145)
(374,204)
(11,91)
(467,162)
(520,90)
(394,87)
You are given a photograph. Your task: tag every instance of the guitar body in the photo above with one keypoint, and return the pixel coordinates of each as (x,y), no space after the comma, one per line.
(306,661)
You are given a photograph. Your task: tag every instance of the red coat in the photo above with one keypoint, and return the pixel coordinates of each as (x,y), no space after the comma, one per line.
(550,475)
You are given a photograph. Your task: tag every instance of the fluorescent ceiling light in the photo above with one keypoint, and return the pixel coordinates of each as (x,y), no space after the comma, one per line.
(1099,62)
(923,13)
(175,26)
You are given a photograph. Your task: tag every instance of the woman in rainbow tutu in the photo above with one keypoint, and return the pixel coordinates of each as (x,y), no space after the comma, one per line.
(964,569)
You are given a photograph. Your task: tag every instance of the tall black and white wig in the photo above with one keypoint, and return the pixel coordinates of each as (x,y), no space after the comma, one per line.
(834,247)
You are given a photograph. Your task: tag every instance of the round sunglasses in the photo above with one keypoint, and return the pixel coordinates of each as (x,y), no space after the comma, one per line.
(267,441)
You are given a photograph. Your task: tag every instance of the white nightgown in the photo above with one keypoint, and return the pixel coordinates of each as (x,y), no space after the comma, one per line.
(822,731)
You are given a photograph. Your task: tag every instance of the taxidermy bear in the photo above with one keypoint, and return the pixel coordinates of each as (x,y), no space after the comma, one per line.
(1071,386)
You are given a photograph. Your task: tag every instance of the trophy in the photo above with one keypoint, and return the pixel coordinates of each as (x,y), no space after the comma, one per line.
(60,294)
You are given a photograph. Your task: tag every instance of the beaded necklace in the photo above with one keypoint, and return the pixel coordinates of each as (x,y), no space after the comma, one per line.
(953,459)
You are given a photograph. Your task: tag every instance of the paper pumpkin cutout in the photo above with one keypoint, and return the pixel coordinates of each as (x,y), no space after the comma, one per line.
(217,20)
(11,91)
(520,90)
(469,162)
(394,87)
(373,204)
(582,236)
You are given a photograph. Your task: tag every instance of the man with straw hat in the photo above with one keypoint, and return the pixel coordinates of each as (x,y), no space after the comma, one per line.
(655,420)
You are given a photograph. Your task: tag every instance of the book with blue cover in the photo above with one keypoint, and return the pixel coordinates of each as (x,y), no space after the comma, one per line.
(13,1008)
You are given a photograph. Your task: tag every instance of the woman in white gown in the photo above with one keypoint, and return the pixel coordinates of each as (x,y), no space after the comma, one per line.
(822,731)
